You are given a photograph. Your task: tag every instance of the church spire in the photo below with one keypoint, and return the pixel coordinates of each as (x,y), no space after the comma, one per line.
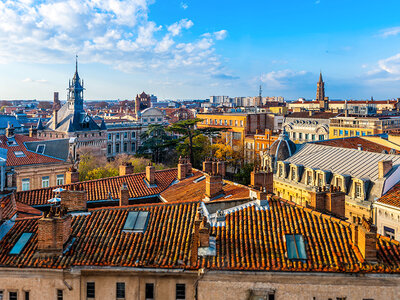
(76,63)
(320,77)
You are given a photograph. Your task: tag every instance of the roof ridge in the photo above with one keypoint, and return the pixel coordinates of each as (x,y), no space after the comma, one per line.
(144,205)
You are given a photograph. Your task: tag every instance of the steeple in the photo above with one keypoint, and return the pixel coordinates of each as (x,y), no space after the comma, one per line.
(323,103)
(75,91)
(320,77)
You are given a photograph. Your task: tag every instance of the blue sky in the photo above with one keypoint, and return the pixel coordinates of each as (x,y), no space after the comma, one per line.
(194,49)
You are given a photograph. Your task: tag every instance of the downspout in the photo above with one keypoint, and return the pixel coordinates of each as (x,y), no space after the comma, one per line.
(200,275)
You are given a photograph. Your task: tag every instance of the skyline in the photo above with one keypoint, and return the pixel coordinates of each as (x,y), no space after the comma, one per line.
(190,50)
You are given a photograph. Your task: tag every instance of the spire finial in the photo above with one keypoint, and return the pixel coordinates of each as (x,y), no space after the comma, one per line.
(76,63)
(320,76)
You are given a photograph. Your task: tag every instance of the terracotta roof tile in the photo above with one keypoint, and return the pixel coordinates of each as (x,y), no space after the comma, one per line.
(392,197)
(102,189)
(353,142)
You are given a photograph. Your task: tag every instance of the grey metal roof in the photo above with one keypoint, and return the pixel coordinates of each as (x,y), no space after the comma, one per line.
(54,148)
(356,163)
(6,119)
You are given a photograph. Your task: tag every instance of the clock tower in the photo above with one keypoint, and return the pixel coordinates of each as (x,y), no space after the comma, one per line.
(75,91)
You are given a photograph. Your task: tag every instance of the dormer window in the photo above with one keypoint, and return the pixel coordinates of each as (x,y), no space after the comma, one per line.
(357,190)
(295,246)
(280,172)
(309,177)
(40,148)
(19,154)
(293,177)
(320,179)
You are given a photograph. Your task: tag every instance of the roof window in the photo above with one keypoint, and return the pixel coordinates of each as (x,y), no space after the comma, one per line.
(40,148)
(21,243)
(136,221)
(295,246)
(19,154)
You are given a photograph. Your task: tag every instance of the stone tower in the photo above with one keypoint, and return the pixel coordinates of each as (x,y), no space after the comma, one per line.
(75,92)
(323,102)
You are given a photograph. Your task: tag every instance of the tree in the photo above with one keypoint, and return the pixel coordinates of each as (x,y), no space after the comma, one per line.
(201,149)
(187,129)
(156,141)
(243,176)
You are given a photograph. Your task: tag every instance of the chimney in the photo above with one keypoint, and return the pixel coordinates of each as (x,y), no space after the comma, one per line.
(188,167)
(318,200)
(124,195)
(221,168)
(74,200)
(214,168)
(71,176)
(335,202)
(32,132)
(150,174)
(384,167)
(213,186)
(366,240)
(126,169)
(204,233)
(262,179)
(53,232)
(207,166)
(195,241)
(182,168)
(359,147)
(310,113)
(10,131)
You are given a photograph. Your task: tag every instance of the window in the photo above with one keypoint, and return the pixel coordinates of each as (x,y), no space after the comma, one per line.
(60,294)
(26,184)
(236,123)
(125,147)
(306,136)
(346,132)
(300,135)
(90,290)
(357,133)
(118,136)
(45,181)
(26,295)
(363,133)
(340,132)
(159,119)
(136,221)
(335,132)
(125,135)
(389,232)
(120,289)
(280,171)
(60,179)
(117,147)
(309,178)
(313,137)
(180,291)
(226,122)
(230,122)
(40,148)
(241,123)
(19,154)
(357,190)
(133,134)
(20,244)
(13,296)
(220,122)
(295,246)
(133,147)
(109,136)
(109,148)
(152,119)
(339,182)
(293,173)
(145,120)
(321,137)
(320,179)
(149,291)
(1,295)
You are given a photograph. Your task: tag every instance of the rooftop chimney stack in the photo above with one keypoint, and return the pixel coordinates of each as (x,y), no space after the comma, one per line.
(74,200)
(207,166)
(359,147)
(182,169)
(214,185)
(126,169)
(150,174)
(263,178)
(32,132)
(54,230)
(71,176)
(365,238)
(384,167)
(124,195)
(10,130)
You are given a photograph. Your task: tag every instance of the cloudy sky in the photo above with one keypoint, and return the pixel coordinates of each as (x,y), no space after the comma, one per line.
(185,49)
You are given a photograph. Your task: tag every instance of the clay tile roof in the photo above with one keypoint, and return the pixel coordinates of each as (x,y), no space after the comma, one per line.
(29,158)
(188,189)
(392,197)
(354,142)
(252,239)
(11,207)
(102,189)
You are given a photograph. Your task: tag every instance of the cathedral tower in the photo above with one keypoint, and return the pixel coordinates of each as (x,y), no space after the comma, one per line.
(75,91)
(323,102)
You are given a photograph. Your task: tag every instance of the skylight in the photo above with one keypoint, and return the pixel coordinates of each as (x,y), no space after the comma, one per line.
(21,243)
(136,221)
(295,246)
(19,154)
(40,148)
(11,142)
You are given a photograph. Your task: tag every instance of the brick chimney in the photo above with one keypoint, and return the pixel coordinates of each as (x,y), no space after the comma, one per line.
(204,233)
(182,169)
(10,130)
(221,168)
(126,169)
(318,200)
(150,174)
(207,166)
(262,179)
(32,132)
(365,238)
(213,186)
(384,167)
(55,119)
(124,195)
(332,201)
(71,176)
(53,232)
(74,200)
(195,241)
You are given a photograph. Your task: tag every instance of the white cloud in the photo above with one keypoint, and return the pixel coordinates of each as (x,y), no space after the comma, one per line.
(220,35)
(177,27)
(184,5)
(280,79)
(112,32)
(393,31)
(35,80)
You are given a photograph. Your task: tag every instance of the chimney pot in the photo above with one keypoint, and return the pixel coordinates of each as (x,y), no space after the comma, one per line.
(150,174)
(384,167)
(126,169)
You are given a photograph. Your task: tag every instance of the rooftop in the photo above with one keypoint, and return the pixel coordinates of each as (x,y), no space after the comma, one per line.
(355,143)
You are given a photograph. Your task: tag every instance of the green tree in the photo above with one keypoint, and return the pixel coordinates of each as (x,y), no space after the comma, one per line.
(201,149)
(243,176)
(187,129)
(155,142)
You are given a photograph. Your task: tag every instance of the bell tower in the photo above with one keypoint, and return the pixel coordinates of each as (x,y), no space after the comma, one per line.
(323,101)
(75,91)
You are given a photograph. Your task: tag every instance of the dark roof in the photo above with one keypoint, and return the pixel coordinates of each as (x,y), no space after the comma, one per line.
(312,115)
(282,148)
(58,148)
(355,142)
